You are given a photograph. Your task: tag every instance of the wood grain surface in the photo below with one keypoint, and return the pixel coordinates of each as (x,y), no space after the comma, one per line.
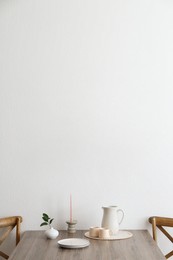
(35,246)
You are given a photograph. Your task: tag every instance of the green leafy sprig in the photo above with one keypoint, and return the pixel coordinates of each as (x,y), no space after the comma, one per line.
(47,220)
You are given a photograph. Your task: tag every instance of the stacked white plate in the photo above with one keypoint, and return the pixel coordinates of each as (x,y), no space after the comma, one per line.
(73,243)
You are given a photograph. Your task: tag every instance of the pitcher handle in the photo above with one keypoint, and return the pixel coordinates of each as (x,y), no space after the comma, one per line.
(120,210)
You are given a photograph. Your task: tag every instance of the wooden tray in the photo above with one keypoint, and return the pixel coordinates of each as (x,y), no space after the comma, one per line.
(120,235)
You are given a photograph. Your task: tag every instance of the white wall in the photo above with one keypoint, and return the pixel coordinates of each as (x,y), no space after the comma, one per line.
(86,105)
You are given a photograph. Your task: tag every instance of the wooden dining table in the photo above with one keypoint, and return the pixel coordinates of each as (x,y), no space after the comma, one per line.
(35,246)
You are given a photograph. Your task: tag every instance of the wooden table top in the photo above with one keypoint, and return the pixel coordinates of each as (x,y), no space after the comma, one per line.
(35,246)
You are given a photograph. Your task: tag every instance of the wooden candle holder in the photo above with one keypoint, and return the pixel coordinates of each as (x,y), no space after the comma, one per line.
(71,226)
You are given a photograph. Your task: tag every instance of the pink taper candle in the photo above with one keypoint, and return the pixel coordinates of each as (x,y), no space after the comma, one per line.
(71,208)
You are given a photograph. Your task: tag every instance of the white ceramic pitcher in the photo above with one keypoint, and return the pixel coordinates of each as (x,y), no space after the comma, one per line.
(110,218)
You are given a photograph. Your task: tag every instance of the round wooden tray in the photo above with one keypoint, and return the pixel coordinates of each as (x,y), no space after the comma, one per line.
(122,234)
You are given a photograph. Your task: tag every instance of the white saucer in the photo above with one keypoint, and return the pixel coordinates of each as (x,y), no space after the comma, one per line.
(73,243)
(122,234)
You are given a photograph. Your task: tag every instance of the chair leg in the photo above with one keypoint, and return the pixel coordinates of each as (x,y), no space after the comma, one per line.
(154,229)
(18,231)
(169,255)
(4,255)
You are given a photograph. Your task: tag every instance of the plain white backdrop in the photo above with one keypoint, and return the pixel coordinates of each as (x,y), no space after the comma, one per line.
(86,105)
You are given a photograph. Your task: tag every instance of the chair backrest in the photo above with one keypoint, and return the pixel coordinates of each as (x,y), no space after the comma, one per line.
(161,222)
(8,224)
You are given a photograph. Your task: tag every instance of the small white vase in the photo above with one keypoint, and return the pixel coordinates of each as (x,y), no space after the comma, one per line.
(51,233)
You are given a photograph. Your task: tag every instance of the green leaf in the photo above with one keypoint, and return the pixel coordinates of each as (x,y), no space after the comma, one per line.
(45,219)
(46,216)
(43,224)
(51,221)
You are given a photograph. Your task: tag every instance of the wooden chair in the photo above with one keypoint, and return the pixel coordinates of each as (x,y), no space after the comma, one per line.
(8,224)
(161,222)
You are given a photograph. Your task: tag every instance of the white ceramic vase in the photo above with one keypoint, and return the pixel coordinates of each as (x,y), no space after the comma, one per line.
(51,233)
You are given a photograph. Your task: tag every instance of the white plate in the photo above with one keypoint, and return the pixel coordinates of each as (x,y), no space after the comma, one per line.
(122,234)
(73,243)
